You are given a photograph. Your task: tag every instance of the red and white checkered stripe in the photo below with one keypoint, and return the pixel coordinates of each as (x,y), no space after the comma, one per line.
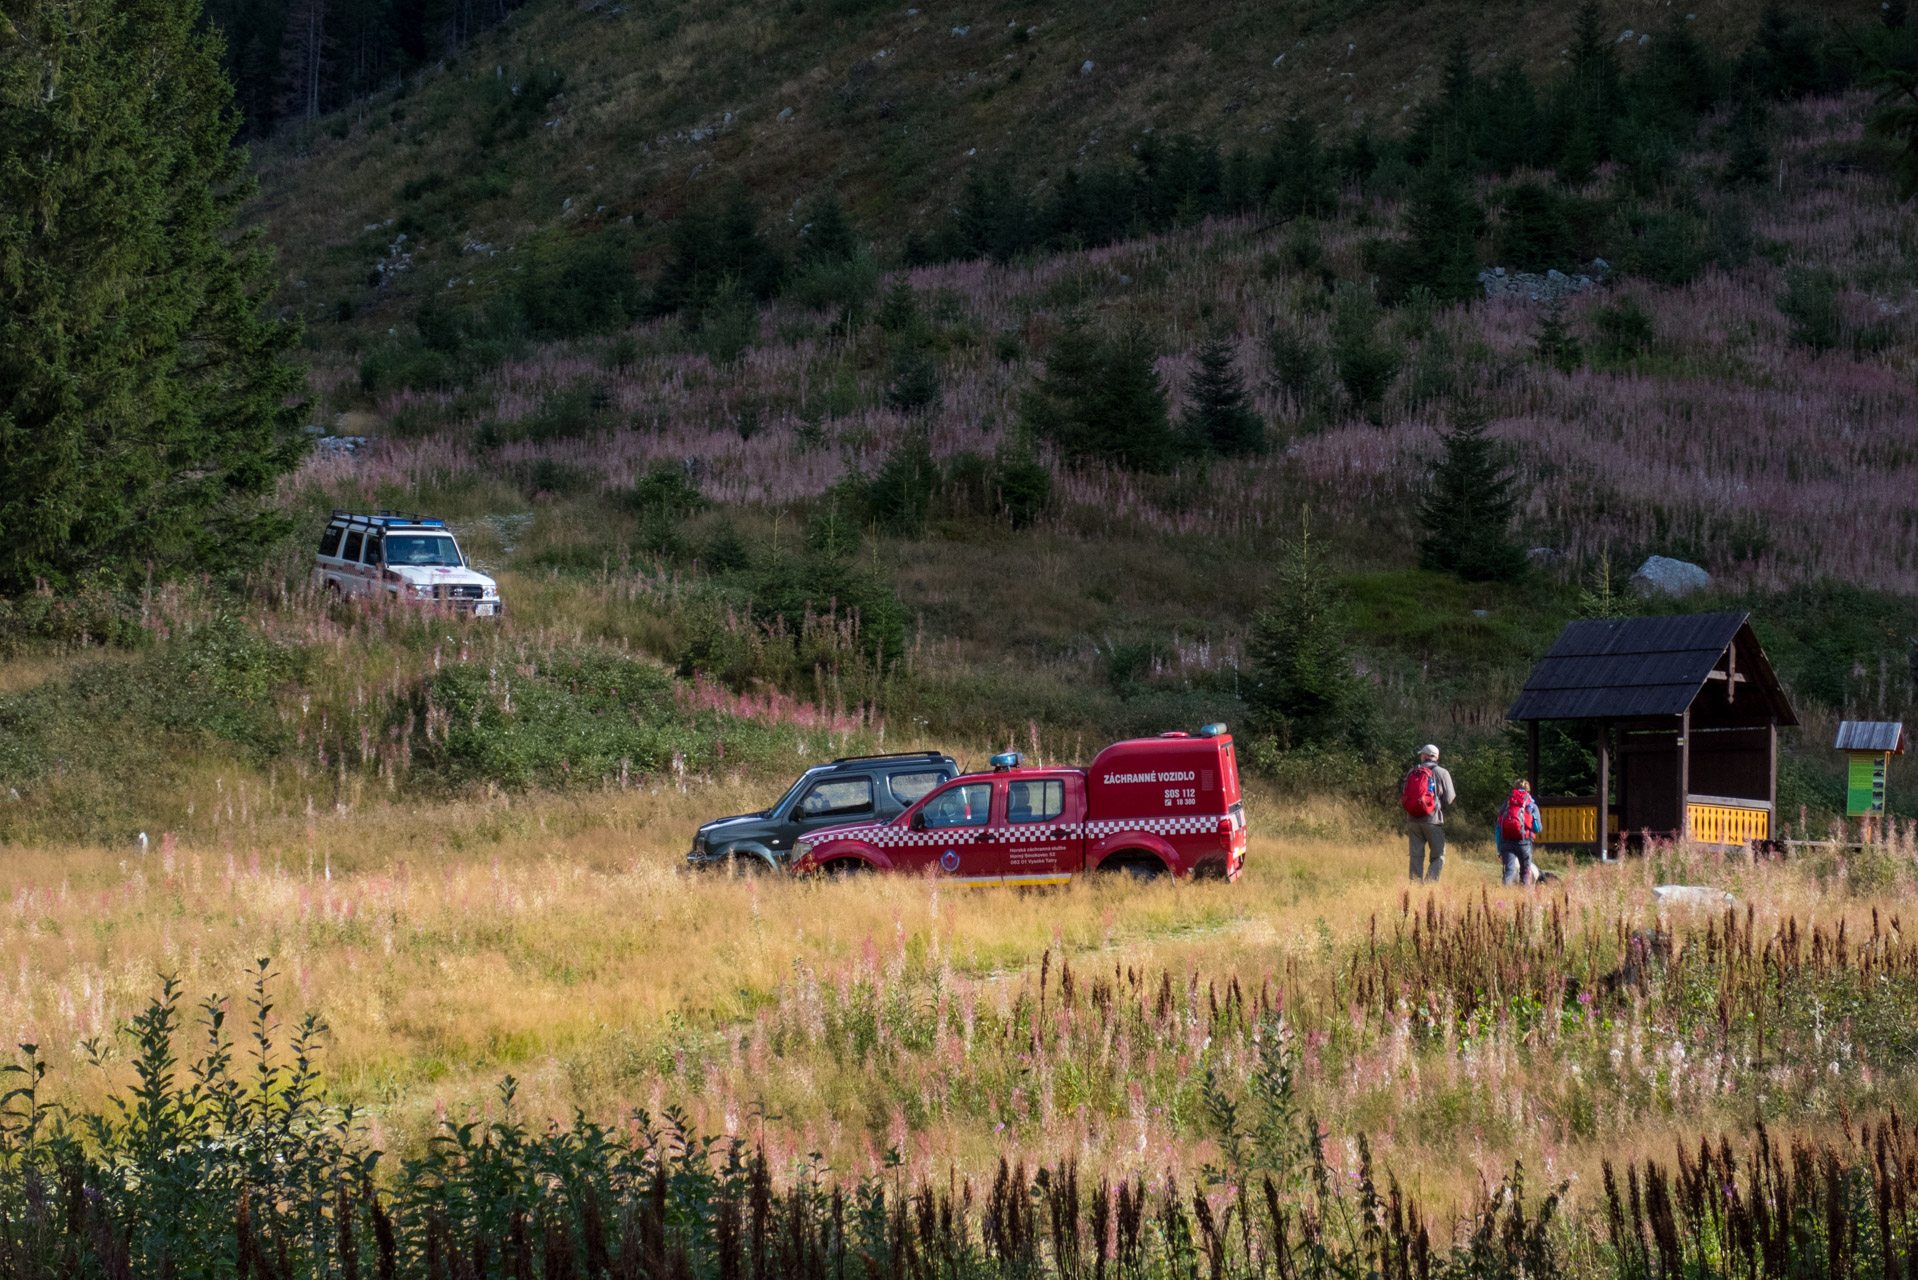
(889,836)
(1197,824)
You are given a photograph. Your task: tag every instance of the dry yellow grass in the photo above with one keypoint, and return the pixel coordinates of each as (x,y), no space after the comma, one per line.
(558,939)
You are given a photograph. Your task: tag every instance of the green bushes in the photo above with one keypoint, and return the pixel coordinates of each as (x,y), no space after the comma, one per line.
(910,486)
(114,727)
(1101,400)
(1305,691)
(1467,511)
(1366,360)
(566,287)
(96,615)
(573,286)
(575,719)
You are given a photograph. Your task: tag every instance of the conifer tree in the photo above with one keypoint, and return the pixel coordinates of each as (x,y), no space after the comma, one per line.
(1297,174)
(1366,361)
(1443,223)
(706,247)
(1748,161)
(1220,420)
(1600,599)
(1054,407)
(1305,691)
(141,392)
(1556,344)
(1467,511)
(828,237)
(1511,135)
(1459,100)
(1597,83)
(1129,423)
(914,385)
(1102,400)
(1532,235)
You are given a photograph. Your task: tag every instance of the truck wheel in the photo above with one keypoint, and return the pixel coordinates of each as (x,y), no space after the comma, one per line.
(846,868)
(1141,867)
(745,865)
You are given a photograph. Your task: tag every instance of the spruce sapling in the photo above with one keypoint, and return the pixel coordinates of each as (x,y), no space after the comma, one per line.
(1467,511)
(1220,420)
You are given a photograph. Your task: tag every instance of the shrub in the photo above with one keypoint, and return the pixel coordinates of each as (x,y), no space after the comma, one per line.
(1366,361)
(728,323)
(900,493)
(1101,399)
(571,287)
(1624,330)
(575,721)
(1809,302)
(1296,365)
(1305,690)
(914,380)
(95,615)
(1467,510)
(574,410)
(1220,420)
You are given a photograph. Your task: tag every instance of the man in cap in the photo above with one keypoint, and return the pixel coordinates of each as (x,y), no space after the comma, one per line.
(1428,789)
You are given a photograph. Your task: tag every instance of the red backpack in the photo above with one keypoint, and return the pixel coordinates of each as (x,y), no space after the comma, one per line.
(1420,798)
(1515,822)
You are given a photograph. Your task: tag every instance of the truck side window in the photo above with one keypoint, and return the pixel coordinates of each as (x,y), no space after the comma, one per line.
(1039,800)
(330,540)
(908,787)
(372,550)
(352,552)
(838,796)
(966,806)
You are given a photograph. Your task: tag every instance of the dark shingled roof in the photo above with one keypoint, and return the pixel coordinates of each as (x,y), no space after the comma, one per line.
(1870,735)
(1628,667)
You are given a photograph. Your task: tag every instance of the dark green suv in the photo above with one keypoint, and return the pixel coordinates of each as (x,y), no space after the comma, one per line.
(849,790)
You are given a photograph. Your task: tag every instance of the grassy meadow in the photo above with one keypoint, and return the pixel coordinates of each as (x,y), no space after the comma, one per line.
(556,939)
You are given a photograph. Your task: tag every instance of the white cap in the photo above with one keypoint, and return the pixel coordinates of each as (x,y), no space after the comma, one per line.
(1428,751)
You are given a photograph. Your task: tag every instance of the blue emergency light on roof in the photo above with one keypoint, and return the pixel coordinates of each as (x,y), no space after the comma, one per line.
(1006,760)
(1211,731)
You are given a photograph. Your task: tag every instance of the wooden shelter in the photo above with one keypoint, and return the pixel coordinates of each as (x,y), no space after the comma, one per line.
(1684,712)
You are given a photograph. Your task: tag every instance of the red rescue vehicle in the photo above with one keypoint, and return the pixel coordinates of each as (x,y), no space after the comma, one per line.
(1148,806)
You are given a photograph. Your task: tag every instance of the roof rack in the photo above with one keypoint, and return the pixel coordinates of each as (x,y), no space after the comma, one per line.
(385,518)
(894,755)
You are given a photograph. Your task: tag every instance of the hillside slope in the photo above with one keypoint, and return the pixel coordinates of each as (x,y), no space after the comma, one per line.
(851,495)
(580,114)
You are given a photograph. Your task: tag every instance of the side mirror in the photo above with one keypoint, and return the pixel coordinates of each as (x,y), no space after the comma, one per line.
(918,822)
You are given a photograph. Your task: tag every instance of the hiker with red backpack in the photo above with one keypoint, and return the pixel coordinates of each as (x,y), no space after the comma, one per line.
(1427,790)
(1518,827)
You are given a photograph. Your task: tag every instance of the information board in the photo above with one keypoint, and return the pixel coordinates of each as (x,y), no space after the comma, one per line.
(1865,786)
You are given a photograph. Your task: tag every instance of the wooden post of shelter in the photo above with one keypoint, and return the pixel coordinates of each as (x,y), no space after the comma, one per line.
(1685,774)
(1771,772)
(1602,832)
(1531,756)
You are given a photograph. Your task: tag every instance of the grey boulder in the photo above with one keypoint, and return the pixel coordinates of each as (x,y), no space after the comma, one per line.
(1663,576)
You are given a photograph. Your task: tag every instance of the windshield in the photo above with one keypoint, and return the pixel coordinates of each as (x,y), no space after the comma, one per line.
(422,549)
(791,791)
